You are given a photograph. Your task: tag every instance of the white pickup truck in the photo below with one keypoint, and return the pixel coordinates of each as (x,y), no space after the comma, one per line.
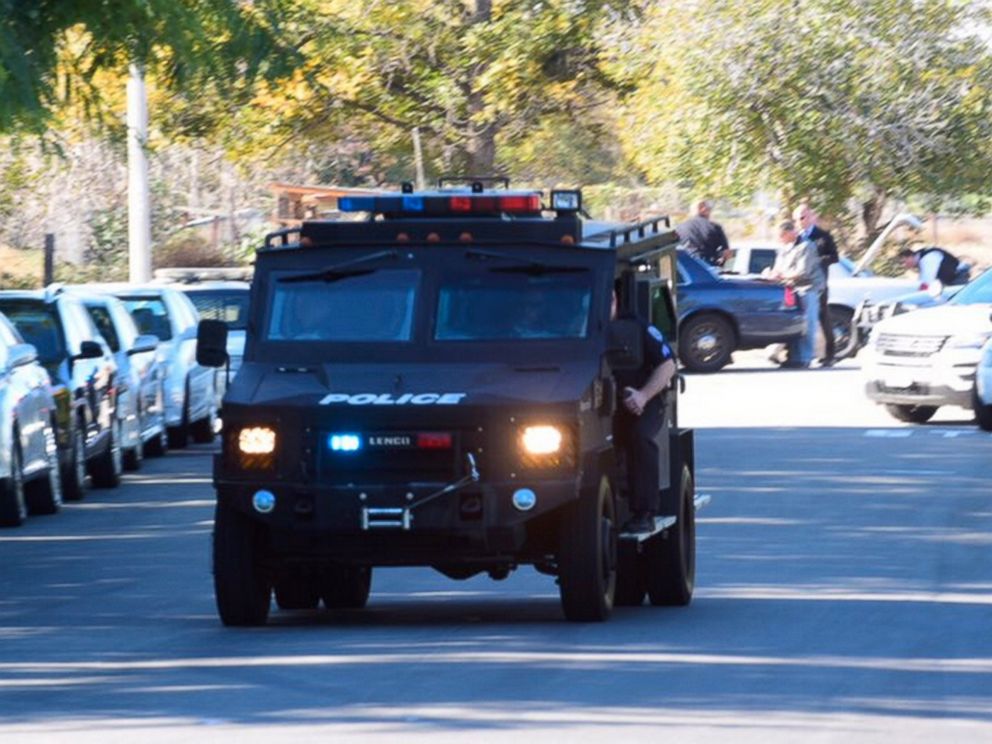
(850,283)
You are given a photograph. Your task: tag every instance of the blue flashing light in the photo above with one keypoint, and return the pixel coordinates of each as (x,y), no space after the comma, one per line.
(344,442)
(356,204)
(413,203)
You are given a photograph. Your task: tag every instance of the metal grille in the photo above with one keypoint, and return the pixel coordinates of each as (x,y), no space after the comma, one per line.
(892,344)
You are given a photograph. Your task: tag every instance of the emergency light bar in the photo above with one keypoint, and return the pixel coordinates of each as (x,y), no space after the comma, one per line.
(443,205)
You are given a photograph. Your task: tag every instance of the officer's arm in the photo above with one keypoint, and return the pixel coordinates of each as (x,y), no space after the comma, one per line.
(660,379)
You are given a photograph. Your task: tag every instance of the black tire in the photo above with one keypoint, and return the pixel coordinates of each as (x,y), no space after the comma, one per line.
(587,556)
(202,431)
(670,557)
(911,414)
(630,590)
(107,468)
(296,593)
(157,445)
(133,457)
(706,343)
(346,587)
(13,507)
(44,495)
(179,435)
(74,476)
(845,331)
(241,588)
(983,413)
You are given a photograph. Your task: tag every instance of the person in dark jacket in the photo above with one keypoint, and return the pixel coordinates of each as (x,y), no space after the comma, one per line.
(937,267)
(639,419)
(706,238)
(826,248)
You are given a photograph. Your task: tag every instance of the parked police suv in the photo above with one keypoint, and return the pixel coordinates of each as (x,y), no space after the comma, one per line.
(433,386)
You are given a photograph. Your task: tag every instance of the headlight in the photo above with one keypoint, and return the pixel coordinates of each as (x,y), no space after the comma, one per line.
(257,440)
(546,446)
(968,341)
(541,440)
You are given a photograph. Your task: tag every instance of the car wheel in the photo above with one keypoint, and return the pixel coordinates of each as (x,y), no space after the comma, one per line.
(587,556)
(706,343)
(983,413)
(845,331)
(13,507)
(346,587)
(296,593)
(241,587)
(133,457)
(179,435)
(670,558)
(74,476)
(106,470)
(44,495)
(911,414)
(157,445)
(203,430)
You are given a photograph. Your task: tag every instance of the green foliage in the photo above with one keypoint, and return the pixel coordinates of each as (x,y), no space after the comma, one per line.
(52,51)
(832,99)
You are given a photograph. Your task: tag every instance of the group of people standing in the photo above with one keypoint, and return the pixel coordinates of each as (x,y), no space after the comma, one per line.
(807,252)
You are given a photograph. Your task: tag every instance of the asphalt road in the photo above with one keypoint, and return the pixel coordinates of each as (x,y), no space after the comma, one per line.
(844,593)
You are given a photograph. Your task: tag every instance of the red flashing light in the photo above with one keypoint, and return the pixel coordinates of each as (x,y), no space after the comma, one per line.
(461,203)
(434,440)
(514,204)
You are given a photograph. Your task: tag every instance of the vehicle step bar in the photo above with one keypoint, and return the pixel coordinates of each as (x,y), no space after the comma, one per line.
(662,523)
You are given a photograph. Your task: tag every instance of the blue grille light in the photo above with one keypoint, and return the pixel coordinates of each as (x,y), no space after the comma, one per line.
(413,203)
(356,204)
(344,442)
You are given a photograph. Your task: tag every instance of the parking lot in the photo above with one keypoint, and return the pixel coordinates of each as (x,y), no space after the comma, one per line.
(844,591)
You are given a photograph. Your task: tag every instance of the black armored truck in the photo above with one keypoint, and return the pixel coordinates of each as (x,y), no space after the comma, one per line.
(433,385)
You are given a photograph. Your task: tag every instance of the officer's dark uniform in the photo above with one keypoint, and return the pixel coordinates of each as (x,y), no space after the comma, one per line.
(949,265)
(636,434)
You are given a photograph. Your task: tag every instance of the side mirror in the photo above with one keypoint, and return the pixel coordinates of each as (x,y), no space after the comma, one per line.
(143,344)
(211,343)
(22,354)
(625,344)
(89,350)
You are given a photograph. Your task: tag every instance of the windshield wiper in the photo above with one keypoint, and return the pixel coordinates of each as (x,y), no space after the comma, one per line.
(523,265)
(342,270)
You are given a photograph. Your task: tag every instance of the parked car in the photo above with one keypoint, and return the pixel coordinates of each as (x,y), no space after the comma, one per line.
(29,462)
(190,400)
(84,378)
(851,285)
(720,314)
(983,388)
(226,301)
(918,362)
(869,314)
(141,393)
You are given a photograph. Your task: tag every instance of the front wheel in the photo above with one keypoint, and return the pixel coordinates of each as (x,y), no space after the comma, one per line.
(203,430)
(983,413)
(13,507)
(74,476)
(241,587)
(911,414)
(44,495)
(178,436)
(706,343)
(845,331)
(587,556)
(106,470)
(670,558)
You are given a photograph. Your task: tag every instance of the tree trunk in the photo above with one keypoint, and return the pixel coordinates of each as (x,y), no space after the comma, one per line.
(480,147)
(871,213)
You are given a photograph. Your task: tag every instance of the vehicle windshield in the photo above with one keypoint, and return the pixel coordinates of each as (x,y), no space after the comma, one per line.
(369,306)
(150,315)
(227,305)
(975,292)
(496,306)
(39,325)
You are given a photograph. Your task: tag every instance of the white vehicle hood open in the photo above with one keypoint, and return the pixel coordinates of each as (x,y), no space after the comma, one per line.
(947,320)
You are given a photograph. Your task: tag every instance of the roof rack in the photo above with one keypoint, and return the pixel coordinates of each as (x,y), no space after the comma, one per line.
(281,238)
(640,241)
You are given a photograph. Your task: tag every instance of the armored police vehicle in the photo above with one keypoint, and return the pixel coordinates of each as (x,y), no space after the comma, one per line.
(433,386)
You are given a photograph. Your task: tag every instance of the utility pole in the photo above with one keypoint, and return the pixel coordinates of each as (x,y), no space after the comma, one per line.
(139,220)
(418,159)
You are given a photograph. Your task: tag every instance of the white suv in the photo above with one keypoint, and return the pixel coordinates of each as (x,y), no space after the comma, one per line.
(920,361)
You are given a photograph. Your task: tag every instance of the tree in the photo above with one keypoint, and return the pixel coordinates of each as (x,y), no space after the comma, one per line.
(50,50)
(472,75)
(832,99)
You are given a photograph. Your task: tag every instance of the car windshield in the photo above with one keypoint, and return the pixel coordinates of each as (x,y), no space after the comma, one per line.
(227,305)
(976,292)
(367,306)
(150,315)
(39,325)
(494,306)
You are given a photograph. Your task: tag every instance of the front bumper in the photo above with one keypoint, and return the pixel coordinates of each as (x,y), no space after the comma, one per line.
(346,522)
(944,379)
